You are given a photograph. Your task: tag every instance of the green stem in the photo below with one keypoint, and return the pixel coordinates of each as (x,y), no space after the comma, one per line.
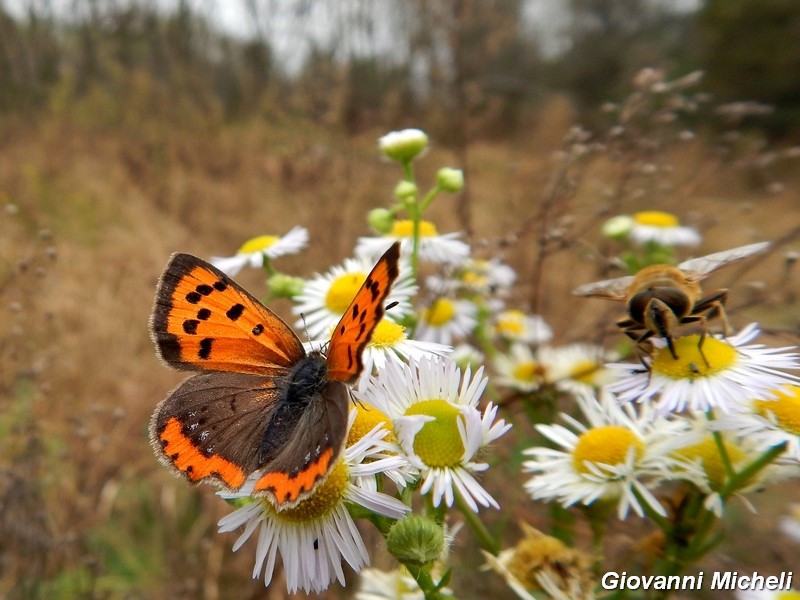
(415,214)
(426,201)
(478,528)
(425,582)
(740,479)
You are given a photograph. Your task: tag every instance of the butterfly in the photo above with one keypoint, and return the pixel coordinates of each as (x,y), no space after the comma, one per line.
(261,409)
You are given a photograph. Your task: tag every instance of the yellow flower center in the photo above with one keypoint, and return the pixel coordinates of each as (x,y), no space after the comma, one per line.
(716,356)
(324,499)
(474,279)
(405,228)
(528,371)
(788,596)
(438,443)
(585,371)
(656,218)
(440,312)
(710,459)
(534,555)
(387,334)
(367,417)
(785,408)
(511,323)
(608,445)
(257,244)
(342,291)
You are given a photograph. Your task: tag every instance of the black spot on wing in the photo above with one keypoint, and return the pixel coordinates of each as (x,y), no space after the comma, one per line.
(258,329)
(193,297)
(204,289)
(203,314)
(205,348)
(190,326)
(373,287)
(220,286)
(235,311)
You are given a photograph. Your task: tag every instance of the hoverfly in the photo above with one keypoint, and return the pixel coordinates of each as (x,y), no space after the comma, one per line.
(661,297)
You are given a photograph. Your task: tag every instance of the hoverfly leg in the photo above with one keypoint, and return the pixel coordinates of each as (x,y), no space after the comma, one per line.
(631,329)
(703,331)
(671,346)
(714,305)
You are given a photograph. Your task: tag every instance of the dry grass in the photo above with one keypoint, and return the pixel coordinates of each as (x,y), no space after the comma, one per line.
(94,212)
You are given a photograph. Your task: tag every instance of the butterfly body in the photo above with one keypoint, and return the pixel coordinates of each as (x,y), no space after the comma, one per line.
(261,409)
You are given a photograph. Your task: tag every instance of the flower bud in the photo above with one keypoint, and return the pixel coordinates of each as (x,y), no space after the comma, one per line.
(405,191)
(450,180)
(285,286)
(381,220)
(403,146)
(618,228)
(415,540)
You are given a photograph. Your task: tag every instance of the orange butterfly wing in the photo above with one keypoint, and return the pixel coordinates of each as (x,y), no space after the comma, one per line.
(203,320)
(355,328)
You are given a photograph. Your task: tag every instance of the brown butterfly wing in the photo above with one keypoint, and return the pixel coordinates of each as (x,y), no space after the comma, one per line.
(304,441)
(221,428)
(355,328)
(210,428)
(203,320)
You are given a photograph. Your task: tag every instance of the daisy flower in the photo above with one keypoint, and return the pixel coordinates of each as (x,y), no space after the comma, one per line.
(446,320)
(576,367)
(325,297)
(703,450)
(662,228)
(543,563)
(519,369)
(516,326)
(314,536)
(433,246)
(464,355)
(436,420)
(255,251)
(725,374)
(619,456)
(768,422)
(482,277)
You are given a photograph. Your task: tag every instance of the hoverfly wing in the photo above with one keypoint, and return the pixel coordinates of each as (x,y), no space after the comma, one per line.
(612,289)
(701,267)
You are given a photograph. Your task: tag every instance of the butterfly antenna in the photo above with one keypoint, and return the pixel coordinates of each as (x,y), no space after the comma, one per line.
(305,328)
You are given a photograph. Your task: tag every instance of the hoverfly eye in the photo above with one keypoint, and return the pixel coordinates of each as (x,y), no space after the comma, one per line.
(638,303)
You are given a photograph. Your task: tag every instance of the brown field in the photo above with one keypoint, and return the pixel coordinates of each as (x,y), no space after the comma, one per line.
(91,214)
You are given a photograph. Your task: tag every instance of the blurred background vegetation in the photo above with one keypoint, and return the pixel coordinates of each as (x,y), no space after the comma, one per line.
(130,129)
(461,69)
